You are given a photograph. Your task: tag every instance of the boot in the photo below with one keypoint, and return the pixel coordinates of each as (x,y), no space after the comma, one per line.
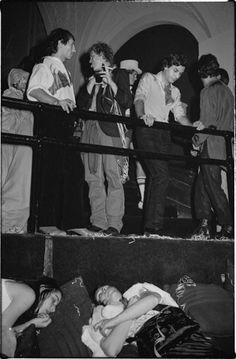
(203,230)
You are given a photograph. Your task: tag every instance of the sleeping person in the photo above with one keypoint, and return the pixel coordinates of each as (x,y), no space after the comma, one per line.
(121,316)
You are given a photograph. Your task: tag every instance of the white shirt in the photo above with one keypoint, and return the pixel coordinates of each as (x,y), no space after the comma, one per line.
(151,90)
(52,77)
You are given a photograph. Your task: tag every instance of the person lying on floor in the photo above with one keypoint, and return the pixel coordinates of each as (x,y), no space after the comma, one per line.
(23,306)
(118,316)
(147,322)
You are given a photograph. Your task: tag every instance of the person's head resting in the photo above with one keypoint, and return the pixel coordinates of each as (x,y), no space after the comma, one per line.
(107,294)
(223,76)
(49,296)
(17,78)
(100,54)
(173,66)
(61,43)
(132,66)
(208,68)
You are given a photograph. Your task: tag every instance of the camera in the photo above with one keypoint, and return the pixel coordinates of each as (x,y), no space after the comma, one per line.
(98,77)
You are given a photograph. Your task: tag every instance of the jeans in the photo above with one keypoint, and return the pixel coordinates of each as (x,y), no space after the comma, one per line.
(155,140)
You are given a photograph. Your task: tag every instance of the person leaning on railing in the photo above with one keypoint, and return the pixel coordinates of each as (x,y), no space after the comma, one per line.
(155,97)
(216,111)
(50,82)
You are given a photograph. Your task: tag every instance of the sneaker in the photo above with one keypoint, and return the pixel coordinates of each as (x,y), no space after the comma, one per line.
(203,230)
(225,233)
(111,231)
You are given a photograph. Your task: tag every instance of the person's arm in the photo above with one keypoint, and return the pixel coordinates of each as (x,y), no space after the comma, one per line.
(39,322)
(134,311)
(42,96)
(22,297)
(139,109)
(113,343)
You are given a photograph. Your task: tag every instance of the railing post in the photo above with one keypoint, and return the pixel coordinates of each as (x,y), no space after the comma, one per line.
(230,171)
(33,222)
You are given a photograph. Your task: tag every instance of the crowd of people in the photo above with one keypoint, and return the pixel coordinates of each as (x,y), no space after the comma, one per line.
(111,90)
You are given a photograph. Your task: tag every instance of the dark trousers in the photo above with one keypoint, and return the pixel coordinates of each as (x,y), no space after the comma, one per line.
(155,140)
(209,194)
(61,198)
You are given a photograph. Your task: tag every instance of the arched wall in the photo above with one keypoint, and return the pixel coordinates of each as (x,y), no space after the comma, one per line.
(212,24)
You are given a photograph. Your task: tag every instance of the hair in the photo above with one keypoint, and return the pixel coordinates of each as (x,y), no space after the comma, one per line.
(208,66)
(224,76)
(101,48)
(45,286)
(57,35)
(174,59)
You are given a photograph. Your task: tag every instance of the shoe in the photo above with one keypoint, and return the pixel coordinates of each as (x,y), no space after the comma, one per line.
(226,232)
(151,231)
(203,230)
(111,231)
(95,229)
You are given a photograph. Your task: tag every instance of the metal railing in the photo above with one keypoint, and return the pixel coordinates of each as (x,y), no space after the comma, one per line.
(38,142)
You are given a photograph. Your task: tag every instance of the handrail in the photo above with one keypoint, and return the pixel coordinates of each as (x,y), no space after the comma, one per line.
(37,144)
(92,115)
(84,147)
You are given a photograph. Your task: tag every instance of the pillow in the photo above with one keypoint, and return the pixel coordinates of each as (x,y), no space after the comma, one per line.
(62,338)
(208,304)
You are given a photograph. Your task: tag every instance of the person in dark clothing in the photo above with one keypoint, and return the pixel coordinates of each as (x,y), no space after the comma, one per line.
(107,91)
(217,111)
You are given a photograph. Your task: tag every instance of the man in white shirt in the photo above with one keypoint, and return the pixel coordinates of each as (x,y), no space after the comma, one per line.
(155,97)
(51,83)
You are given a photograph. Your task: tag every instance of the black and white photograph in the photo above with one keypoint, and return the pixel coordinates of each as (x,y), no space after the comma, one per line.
(117,179)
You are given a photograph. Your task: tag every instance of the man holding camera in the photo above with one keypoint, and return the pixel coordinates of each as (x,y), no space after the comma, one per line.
(107,91)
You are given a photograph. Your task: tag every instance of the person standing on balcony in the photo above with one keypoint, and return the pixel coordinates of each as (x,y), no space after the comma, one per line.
(216,111)
(132,66)
(16,160)
(51,83)
(155,97)
(107,91)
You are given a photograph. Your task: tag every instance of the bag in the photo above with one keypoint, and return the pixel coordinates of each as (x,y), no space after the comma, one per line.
(27,344)
(123,163)
(172,334)
(163,331)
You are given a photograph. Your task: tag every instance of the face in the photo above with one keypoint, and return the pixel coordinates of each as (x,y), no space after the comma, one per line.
(108,295)
(173,73)
(49,304)
(96,61)
(132,77)
(67,49)
(21,84)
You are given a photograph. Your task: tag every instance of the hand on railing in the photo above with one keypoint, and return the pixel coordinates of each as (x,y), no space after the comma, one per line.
(148,120)
(199,125)
(67,105)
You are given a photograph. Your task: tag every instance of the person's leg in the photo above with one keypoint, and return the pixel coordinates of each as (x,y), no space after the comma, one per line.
(97,193)
(115,201)
(141,180)
(16,185)
(202,204)
(158,141)
(220,204)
